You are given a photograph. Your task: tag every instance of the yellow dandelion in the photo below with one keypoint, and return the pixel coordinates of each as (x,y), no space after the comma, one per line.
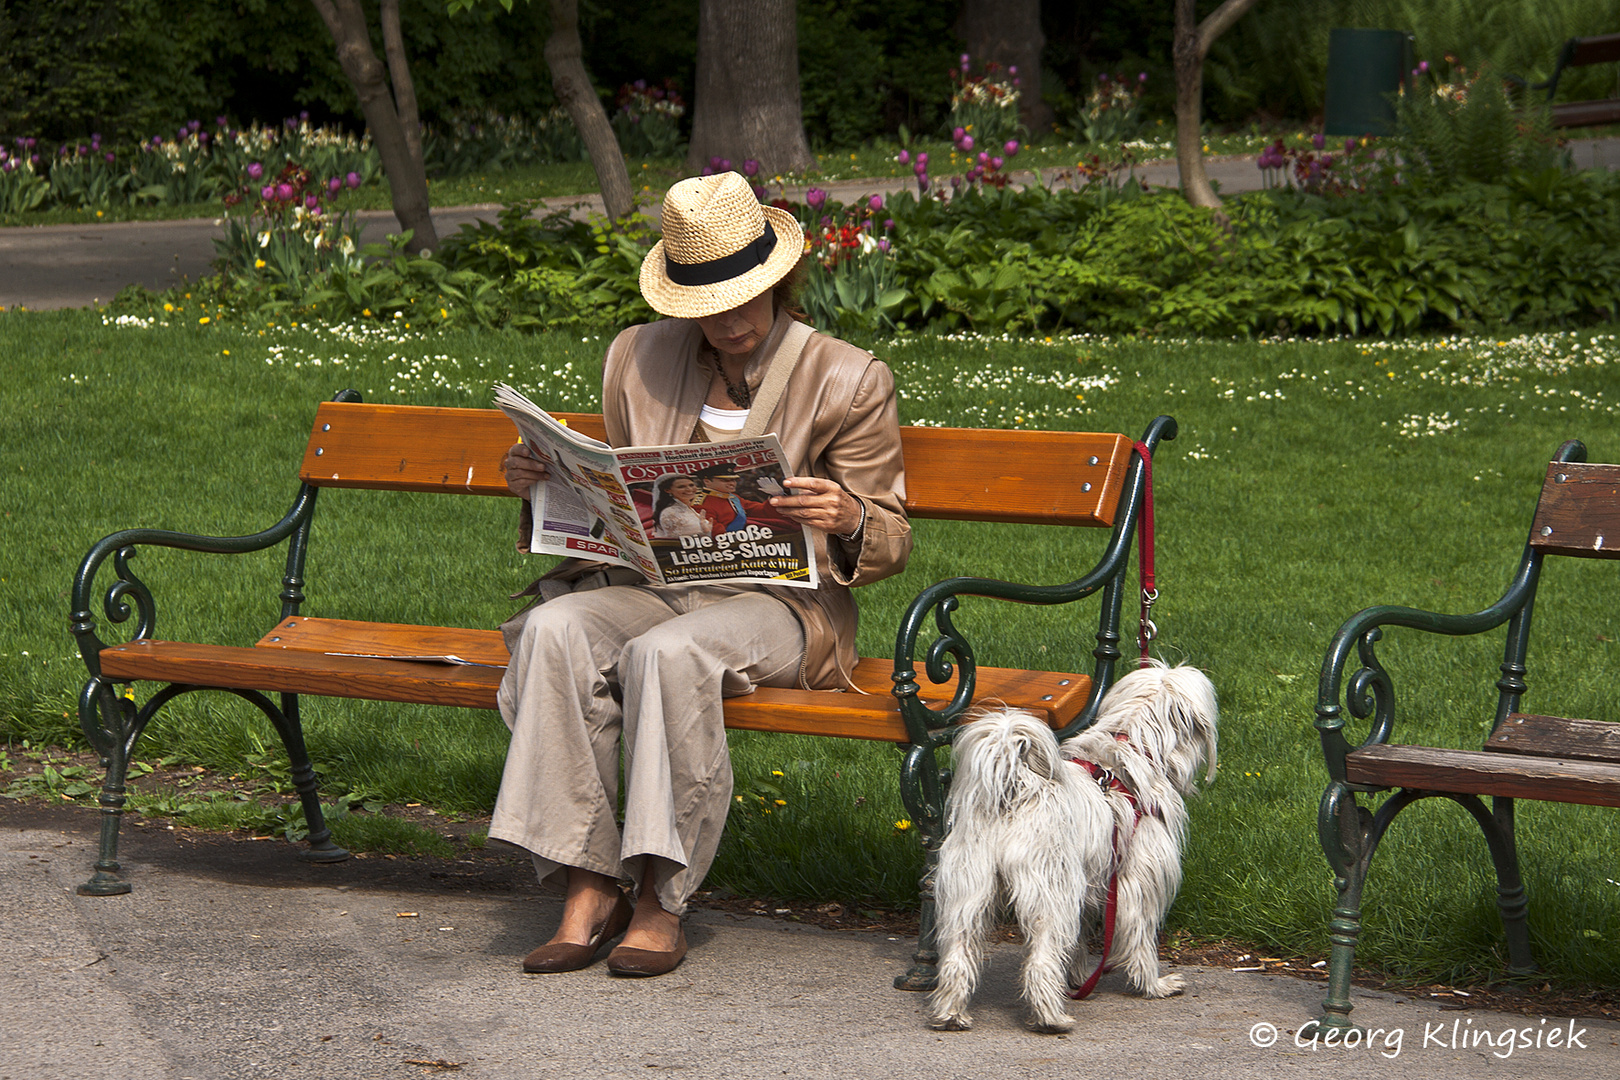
(225,352)
(366,312)
(98,213)
(776,772)
(203,321)
(903,824)
(258,264)
(443,313)
(168,307)
(781,802)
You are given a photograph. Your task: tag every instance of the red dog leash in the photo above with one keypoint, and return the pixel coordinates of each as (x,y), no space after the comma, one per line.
(1110,782)
(1146,631)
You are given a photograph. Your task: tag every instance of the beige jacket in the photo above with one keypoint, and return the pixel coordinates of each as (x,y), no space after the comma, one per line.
(837,419)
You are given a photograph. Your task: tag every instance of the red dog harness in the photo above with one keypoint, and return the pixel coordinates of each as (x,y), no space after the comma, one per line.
(1109,783)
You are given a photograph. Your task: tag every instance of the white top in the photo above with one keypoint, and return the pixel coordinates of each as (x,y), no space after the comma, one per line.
(722,424)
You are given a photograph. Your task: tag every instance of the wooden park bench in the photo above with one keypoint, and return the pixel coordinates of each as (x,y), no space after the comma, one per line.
(1055,478)
(1548,758)
(1582,52)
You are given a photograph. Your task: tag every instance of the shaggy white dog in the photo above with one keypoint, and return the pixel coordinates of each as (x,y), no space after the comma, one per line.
(1031,824)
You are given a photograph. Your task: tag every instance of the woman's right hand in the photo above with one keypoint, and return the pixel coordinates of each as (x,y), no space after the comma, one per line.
(523,470)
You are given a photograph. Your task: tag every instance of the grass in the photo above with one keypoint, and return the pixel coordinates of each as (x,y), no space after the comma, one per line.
(1310,479)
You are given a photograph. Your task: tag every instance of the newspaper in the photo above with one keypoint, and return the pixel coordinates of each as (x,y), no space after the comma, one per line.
(678,514)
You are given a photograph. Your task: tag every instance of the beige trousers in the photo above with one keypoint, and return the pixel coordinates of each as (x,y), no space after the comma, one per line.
(649,664)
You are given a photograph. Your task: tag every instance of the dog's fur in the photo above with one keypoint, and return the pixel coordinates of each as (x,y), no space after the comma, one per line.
(1040,831)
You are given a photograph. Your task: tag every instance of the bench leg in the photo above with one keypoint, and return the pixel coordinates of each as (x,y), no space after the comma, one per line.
(922,788)
(1349,835)
(291,729)
(1511,901)
(112,723)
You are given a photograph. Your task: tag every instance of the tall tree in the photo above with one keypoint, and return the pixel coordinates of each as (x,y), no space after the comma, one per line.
(1192,42)
(1008,32)
(390,114)
(746,103)
(572,84)
(566,59)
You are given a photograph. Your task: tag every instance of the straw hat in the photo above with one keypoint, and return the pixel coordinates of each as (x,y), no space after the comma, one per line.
(721,248)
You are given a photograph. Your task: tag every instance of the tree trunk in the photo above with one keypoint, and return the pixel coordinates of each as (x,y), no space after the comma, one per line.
(572,84)
(746,103)
(399,73)
(407,182)
(1008,32)
(1192,42)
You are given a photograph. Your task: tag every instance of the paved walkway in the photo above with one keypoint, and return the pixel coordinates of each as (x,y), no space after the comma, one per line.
(56,266)
(234,959)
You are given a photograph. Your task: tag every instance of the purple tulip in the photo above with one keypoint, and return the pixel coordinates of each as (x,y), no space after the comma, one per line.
(220,121)
(956,182)
(194,125)
(964,61)
(157,140)
(904,157)
(922,183)
(996,163)
(714,163)
(922,158)
(1017,81)
(304,115)
(883,245)
(1142,77)
(255,170)
(1012,70)
(267,192)
(919,168)
(1318,140)
(202,137)
(826,221)
(1103,77)
(290,123)
(83,150)
(30,142)
(640,84)
(284,191)
(1011,148)
(967,143)
(888,223)
(311,202)
(815,198)
(984,157)
(8,166)
(1423,66)
(33,159)
(760,192)
(180,136)
(1349,147)
(957,133)
(1263,161)
(725,164)
(110,156)
(750,167)
(708,170)
(353,180)
(334,185)
(875,203)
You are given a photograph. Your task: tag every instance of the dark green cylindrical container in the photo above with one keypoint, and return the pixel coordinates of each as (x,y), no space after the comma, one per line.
(1364,67)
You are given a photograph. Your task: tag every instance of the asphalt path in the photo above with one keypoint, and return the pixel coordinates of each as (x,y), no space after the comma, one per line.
(57,266)
(232,959)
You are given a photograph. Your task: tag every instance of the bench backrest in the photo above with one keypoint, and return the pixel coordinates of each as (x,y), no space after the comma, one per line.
(1603,49)
(965,474)
(1579,511)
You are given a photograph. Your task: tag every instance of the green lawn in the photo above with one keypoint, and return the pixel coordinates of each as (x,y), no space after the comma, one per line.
(1310,479)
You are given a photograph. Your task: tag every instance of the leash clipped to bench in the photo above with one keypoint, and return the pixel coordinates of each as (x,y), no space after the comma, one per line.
(1146,631)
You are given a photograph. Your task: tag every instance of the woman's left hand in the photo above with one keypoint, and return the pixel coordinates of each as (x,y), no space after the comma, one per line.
(821,504)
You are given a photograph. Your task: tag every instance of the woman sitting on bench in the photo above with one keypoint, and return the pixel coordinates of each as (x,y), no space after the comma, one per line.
(647,664)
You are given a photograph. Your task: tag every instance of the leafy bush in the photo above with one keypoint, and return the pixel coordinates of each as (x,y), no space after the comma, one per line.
(647,120)
(1112,112)
(1464,128)
(489,142)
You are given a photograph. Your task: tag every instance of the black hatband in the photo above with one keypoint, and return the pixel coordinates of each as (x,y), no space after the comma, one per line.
(725,268)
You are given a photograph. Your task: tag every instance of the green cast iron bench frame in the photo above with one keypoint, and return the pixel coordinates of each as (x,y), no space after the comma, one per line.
(1582,52)
(1065,478)
(1548,758)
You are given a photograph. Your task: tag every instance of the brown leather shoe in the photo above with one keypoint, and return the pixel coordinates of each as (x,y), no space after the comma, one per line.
(647,962)
(567,956)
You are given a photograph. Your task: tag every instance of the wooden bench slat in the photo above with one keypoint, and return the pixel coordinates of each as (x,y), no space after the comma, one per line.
(1586,113)
(301,663)
(1579,515)
(1557,737)
(1477,772)
(964,474)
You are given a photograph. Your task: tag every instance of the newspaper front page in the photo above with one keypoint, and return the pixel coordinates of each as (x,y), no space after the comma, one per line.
(681,515)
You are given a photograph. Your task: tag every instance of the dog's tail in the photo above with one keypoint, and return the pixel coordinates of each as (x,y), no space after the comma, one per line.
(1004,759)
